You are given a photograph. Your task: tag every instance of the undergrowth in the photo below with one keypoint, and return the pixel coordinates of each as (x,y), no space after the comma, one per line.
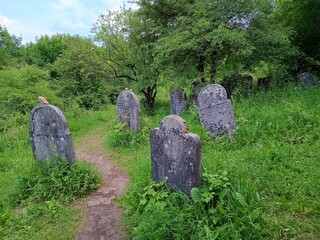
(58,180)
(36,199)
(214,211)
(42,194)
(272,161)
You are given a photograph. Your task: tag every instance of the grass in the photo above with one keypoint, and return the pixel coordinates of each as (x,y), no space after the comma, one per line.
(261,184)
(34,200)
(272,164)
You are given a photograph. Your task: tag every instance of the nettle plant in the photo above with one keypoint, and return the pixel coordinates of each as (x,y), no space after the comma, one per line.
(122,136)
(214,209)
(59,180)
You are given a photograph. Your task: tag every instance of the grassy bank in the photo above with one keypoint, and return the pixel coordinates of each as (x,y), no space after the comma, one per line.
(36,202)
(261,184)
(264,181)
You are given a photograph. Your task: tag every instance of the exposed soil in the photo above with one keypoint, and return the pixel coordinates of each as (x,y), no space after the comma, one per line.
(103,215)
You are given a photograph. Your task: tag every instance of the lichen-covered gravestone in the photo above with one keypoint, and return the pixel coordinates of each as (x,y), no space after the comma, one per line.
(178,103)
(176,154)
(128,109)
(215,110)
(306,79)
(49,133)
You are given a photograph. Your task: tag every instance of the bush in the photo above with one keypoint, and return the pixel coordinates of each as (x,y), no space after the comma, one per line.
(58,180)
(214,211)
(122,136)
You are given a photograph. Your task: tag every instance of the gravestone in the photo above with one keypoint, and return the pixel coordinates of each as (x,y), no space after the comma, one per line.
(128,109)
(49,133)
(176,154)
(215,110)
(178,103)
(306,79)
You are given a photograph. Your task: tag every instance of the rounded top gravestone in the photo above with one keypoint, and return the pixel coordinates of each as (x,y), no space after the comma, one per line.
(49,133)
(178,101)
(176,154)
(215,110)
(173,124)
(212,94)
(306,79)
(128,109)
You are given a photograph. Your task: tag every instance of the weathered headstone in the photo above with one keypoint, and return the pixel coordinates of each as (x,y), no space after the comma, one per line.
(215,110)
(49,133)
(306,79)
(178,103)
(128,109)
(176,154)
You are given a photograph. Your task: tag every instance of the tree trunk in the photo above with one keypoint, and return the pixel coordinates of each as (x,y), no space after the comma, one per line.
(149,96)
(201,67)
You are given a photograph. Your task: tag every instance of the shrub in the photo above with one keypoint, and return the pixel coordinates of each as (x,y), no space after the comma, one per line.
(122,136)
(58,180)
(214,211)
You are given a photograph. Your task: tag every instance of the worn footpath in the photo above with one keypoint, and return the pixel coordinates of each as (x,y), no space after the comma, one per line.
(103,214)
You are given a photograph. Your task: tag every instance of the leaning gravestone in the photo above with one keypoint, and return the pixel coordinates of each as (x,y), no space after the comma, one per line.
(215,110)
(178,103)
(49,133)
(176,154)
(128,109)
(306,79)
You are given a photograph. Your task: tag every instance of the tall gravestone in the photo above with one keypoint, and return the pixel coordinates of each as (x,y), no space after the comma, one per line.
(178,103)
(306,79)
(215,110)
(176,154)
(49,133)
(128,109)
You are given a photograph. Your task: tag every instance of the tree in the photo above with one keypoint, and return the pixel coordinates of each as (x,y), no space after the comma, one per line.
(10,47)
(214,40)
(81,73)
(125,53)
(303,16)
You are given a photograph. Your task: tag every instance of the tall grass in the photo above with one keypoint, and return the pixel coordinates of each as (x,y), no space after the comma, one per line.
(271,163)
(33,198)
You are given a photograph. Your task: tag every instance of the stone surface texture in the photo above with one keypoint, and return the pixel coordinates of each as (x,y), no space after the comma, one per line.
(49,134)
(178,103)
(215,110)
(128,109)
(176,154)
(306,79)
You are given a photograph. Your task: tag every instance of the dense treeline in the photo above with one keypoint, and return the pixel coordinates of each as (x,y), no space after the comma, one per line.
(244,45)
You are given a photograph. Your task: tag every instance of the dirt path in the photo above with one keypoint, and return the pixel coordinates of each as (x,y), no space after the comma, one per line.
(102,213)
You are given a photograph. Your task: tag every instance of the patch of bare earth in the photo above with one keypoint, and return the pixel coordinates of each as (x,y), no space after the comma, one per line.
(103,215)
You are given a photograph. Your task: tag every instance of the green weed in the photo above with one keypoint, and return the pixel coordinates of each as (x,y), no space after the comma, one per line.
(122,136)
(215,211)
(58,180)
(272,191)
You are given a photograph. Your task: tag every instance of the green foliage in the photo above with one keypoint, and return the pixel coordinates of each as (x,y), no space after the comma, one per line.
(10,47)
(58,180)
(48,220)
(46,49)
(302,17)
(122,136)
(214,211)
(82,75)
(42,215)
(270,192)
(19,91)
